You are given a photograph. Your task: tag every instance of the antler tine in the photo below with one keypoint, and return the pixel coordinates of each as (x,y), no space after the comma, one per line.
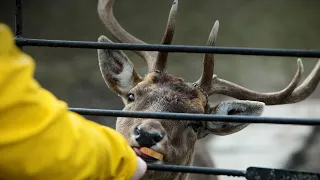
(105,11)
(161,61)
(288,95)
(307,87)
(208,62)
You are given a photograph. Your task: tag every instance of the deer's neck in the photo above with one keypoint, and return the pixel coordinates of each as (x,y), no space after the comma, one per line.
(160,175)
(187,162)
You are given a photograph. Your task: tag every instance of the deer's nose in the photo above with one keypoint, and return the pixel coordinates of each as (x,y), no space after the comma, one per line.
(147,139)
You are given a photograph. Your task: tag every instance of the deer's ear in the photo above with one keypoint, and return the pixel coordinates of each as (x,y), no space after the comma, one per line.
(235,107)
(117,70)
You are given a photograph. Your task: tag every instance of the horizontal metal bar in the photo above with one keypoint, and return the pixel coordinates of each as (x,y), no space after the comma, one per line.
(196,170)
(251,172)
(254,173)
(169,48)
(199,117)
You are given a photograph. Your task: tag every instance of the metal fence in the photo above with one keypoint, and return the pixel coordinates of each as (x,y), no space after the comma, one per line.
(250,173)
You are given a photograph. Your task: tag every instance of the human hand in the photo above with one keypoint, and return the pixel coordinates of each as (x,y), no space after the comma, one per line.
(141,169)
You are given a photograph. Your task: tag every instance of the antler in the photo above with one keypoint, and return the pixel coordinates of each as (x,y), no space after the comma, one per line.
(211,84)
(208,62)
(155,60)
(290,94)
(161,61)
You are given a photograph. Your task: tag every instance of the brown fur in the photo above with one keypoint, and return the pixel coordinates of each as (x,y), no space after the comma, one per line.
(161,92)
(202,158)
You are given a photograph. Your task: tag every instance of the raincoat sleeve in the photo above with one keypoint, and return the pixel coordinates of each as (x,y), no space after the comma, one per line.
(41,139)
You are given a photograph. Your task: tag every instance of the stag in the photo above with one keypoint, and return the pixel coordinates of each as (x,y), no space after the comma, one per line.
(159,91)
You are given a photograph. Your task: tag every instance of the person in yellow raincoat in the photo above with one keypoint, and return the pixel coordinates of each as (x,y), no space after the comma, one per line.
(41,139)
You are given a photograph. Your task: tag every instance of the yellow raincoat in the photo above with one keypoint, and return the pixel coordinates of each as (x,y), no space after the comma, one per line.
(41,139)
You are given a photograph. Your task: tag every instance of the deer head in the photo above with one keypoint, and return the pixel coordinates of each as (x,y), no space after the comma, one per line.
(159,91)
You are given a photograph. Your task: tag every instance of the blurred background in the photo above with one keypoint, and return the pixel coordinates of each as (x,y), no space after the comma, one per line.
(73,75)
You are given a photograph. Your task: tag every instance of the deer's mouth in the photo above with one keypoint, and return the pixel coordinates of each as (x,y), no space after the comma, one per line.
(145,157)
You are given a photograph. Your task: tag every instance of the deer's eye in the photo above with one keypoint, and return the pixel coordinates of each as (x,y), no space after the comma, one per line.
(130,97)
(195,126)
